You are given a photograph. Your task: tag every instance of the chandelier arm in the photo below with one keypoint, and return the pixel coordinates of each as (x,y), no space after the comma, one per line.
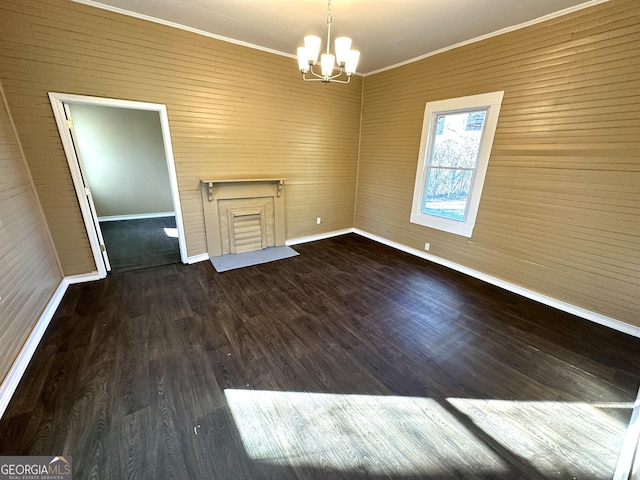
(339,81)
(304,77)
(314,73)
(338,74)
(327,79)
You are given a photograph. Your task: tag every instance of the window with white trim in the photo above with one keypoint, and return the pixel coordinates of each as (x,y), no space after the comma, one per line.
(457,135)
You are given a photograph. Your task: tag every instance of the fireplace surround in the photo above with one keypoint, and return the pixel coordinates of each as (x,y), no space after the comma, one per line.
(243,215)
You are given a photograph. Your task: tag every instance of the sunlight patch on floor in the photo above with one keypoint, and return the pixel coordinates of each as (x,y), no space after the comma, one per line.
(364,433)
(556,438)
(171,232)
(390,435)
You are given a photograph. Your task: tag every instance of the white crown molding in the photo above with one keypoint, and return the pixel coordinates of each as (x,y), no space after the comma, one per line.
(149,18)
(502,31)
(179,26)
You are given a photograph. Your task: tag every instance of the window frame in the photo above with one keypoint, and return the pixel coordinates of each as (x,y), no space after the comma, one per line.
(492,102)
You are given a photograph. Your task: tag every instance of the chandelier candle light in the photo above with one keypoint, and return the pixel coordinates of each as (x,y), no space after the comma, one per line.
(345,58)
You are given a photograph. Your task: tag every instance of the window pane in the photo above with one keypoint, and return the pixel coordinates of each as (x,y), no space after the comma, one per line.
(457,139)
(455,145)
(447,193)
(475,120)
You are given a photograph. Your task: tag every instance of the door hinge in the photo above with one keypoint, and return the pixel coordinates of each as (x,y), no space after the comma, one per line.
(103,248)
(70,124)
(87,191)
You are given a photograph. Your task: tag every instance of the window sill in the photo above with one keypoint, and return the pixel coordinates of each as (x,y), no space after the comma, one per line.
(450,226)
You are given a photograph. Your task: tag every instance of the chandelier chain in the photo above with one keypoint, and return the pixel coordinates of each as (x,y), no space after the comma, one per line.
(329,22)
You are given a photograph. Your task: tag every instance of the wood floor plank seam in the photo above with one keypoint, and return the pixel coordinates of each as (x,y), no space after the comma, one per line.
(351,361)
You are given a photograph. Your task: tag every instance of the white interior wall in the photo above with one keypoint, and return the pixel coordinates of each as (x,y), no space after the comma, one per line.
(124,159)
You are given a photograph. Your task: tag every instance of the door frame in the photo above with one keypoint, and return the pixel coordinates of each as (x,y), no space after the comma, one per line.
(57,104)
(88,192)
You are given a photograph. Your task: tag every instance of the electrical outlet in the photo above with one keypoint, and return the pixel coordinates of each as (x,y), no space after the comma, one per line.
(318,220)
(427,246)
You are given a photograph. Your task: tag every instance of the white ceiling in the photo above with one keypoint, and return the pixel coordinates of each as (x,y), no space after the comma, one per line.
(387,32)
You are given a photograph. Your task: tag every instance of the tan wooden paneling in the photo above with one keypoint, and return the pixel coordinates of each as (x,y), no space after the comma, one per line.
(233,112)
(560,208)
(29,272)
(560,212)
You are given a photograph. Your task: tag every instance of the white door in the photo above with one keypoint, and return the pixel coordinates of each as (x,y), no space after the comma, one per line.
(58,104)
(87,188)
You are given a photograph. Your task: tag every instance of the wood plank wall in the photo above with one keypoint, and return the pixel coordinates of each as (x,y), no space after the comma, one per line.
(29,271)
(233,112)
(560,213)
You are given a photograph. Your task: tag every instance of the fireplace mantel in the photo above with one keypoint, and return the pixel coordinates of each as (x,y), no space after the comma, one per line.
(247,204)
(210,183)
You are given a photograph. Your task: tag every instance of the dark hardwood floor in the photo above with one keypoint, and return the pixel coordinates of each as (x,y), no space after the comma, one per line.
(350,361)
(141,243)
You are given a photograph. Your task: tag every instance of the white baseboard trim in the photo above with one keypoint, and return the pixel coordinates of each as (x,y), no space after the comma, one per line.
(85,277)
(203,257)
(11,381)
(538,297)
(134,216)
(322,236)
(294,241)
(21,363)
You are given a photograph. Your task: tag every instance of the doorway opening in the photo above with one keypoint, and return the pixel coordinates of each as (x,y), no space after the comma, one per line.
(121,161)
(137,243)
